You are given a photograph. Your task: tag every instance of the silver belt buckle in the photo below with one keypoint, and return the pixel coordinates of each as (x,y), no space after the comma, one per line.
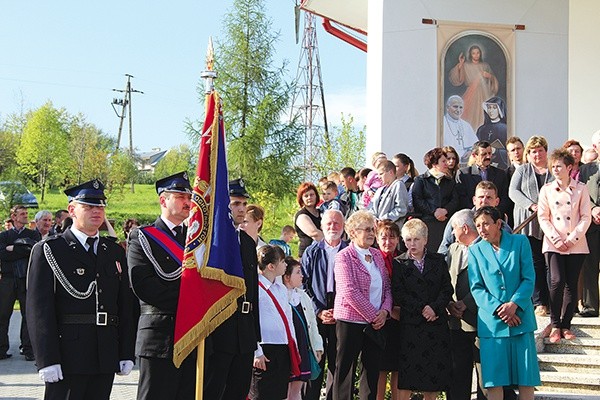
(246,307)
(101,318)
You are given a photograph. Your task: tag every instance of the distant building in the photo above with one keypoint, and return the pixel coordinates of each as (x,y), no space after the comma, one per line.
(146,162)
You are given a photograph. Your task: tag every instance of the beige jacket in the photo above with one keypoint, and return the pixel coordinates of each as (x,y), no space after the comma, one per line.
(564,217)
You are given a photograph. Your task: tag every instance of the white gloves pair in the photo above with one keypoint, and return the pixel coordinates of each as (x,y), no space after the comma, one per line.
(53,373)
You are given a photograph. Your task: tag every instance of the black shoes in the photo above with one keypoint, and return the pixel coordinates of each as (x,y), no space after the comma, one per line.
(29,357)
(587,312)
(5,356)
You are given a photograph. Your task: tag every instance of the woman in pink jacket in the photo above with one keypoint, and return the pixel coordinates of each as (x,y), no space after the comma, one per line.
(363,302)
(564,213)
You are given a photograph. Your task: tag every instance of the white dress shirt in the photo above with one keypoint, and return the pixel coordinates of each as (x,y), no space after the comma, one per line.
(376,289)
(272,328)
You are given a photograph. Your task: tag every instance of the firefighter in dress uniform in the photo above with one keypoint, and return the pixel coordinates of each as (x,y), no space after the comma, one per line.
(79,304)
(155,257)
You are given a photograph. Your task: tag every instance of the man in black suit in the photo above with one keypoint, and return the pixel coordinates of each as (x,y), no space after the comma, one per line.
(154,255)
(230,348)
(467,178)
(15,248)
(79,304)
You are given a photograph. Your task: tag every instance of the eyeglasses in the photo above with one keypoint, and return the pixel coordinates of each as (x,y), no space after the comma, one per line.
(368,230)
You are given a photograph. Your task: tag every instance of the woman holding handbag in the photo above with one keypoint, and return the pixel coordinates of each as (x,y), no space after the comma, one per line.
(310,343)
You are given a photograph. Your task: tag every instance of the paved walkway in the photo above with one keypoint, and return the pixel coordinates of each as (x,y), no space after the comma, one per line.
(19,378)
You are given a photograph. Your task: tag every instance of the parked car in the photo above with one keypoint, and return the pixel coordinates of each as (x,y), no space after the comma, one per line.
(13,193)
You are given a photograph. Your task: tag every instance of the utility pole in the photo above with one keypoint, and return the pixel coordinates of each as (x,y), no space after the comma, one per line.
(125,105)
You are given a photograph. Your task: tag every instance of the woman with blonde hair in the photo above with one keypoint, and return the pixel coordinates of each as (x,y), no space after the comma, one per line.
(422,289)
(524,190)
(362,306)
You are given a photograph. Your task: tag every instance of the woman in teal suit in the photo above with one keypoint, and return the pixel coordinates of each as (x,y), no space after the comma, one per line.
(502,277)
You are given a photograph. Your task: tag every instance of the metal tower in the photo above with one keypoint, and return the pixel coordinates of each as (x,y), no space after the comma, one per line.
(308,102)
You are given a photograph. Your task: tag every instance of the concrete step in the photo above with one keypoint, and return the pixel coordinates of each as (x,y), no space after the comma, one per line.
(541,395)
(569,363)
(581,345)
(570,382)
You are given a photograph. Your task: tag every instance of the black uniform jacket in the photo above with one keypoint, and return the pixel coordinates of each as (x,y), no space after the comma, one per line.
(80,348)
(158,297)
(241,332)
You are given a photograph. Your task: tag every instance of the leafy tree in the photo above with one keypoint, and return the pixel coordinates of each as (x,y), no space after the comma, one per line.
(122,170)
(345,148)
(43,151)
(260,147)
(180,158)
(10,138)
(89,149)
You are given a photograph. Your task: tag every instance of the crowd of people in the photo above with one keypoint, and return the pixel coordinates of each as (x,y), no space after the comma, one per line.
(417,278)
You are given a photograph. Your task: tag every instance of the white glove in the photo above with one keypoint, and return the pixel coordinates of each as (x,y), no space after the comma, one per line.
(126,367)
(51,374)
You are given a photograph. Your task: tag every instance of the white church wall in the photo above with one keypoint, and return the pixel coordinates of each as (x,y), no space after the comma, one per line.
(402,69)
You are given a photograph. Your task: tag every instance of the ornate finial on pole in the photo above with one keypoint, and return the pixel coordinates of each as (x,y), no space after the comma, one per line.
(209,75)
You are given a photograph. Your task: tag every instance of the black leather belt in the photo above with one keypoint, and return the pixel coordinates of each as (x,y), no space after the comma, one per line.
(100,319)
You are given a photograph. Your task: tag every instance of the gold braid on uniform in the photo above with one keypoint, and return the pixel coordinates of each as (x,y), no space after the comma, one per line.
(166,276)
(60,276)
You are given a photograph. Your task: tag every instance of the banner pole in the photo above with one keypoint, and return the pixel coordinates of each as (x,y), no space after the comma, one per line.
(200,371)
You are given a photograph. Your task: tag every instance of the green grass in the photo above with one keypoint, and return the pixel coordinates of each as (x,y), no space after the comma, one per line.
(143,205)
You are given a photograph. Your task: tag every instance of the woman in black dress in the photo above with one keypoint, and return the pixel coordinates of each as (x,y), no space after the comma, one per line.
(307,220)
(421,287)
(433,196)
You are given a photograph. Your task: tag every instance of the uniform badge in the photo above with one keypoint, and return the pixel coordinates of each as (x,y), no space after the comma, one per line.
(80,271)
(185,176)
(72,243)
(118,265)
(95,184)
(103,246)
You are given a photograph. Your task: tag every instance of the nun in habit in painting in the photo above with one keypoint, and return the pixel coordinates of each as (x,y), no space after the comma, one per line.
(480,82)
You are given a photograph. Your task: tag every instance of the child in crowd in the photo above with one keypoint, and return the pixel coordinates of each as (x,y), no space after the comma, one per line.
(276,358)
(336,177)
(329,194)
(287,235)
(305,325)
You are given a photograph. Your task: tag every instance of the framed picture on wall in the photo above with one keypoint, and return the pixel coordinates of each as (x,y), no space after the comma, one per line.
(475,89)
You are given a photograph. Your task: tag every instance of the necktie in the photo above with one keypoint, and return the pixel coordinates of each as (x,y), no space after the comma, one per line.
(90,241)
(179,236)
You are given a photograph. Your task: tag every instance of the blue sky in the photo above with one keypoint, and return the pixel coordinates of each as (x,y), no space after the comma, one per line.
(74,53)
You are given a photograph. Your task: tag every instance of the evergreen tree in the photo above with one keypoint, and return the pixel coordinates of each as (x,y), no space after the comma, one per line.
(255,96)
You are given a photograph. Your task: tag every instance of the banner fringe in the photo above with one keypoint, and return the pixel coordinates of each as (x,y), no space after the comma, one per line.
(215,316)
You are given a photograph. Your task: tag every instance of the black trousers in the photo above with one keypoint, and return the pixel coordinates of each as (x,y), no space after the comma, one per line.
(564,274)
(12,289)
(160,379)
(540,290)
(352,341)
(227,376)
(313,388)
(80,387)
(591,268)
(465,353)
